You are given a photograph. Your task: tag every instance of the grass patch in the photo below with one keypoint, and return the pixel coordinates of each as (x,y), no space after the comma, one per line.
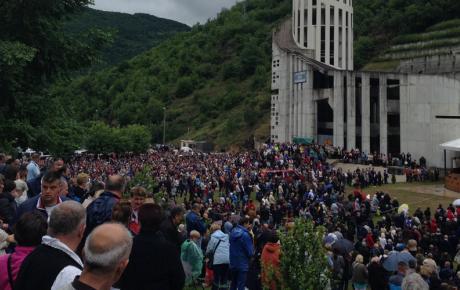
(425,46)
(445,25)
(417,194)
(423,37)
(389,65)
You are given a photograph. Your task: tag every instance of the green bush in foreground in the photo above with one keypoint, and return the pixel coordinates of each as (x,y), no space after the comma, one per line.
(303,258)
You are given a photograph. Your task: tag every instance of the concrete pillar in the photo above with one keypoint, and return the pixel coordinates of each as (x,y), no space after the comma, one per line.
(338,109)
(310,106)
(365,114)
(328,32)
(291,99)
(351,111)
(383,114)
(296,100)
(350,44)
(344,41)
(318,33)
(336,37)
(310,27)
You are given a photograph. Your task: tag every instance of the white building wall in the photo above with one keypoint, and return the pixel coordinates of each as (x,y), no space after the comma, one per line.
(426,101)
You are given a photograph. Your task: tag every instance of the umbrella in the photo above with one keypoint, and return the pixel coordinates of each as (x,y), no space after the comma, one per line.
(330,239)
(456,202)
(391,262)
(344,246)
(403,208)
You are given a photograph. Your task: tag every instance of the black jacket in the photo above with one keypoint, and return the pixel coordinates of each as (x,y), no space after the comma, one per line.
(7,207)
(378,277)
(171,234)
(41,267)
(154,264)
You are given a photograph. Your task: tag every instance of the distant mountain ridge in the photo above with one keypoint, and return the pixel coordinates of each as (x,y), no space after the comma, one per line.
(134,33)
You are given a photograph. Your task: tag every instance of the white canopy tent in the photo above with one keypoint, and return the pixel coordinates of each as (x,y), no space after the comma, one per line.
(453,145)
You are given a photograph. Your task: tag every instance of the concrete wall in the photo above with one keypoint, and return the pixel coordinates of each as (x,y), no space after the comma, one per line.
(424,99)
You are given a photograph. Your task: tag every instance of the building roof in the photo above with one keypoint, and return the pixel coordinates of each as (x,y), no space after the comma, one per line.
(453,145)
(283,38)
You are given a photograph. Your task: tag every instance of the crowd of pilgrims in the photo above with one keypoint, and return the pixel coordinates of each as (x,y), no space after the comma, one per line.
(217,222)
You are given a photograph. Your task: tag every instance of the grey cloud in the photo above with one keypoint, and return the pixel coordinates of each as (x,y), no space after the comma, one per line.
(185,11)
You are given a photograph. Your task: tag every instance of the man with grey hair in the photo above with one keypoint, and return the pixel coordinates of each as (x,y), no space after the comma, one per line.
(65,230)
(106,253)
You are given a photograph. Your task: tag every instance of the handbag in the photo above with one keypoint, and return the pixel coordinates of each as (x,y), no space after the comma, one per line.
(211,255)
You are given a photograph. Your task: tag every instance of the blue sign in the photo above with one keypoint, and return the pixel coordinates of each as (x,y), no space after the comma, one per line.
(300,77)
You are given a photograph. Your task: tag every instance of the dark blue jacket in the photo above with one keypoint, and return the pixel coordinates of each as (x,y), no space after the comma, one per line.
(100,210)
(241,248)
(31,205)
(194,222)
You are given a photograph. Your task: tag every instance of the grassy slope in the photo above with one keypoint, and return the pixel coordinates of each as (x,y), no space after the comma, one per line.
(439,36)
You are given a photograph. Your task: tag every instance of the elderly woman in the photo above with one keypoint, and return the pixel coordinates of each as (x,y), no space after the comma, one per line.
(218,253)
(21,191)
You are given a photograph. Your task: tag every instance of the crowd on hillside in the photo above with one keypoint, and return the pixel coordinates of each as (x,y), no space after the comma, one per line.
(216,223)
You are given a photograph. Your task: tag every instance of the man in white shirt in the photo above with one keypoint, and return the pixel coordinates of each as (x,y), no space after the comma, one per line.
(33,170)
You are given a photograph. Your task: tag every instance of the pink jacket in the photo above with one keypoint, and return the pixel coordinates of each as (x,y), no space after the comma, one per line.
(16,260)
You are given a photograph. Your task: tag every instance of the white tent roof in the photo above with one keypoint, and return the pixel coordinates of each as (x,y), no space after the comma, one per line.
(453,145)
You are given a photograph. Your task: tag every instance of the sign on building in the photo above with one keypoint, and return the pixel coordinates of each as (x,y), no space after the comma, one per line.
(300,77)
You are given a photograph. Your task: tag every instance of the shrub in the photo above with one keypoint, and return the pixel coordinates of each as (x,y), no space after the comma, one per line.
(303,259)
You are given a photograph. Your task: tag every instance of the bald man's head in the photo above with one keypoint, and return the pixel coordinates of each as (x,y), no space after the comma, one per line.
(115,183)
(106,247)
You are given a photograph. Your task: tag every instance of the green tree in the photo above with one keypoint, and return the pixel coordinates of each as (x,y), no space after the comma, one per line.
(33,52)
(303,259)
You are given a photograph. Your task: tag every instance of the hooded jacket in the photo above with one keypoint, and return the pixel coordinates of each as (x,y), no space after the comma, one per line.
(241,249)
(222,252)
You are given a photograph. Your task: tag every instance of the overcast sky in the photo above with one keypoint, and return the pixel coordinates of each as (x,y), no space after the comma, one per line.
(186,11)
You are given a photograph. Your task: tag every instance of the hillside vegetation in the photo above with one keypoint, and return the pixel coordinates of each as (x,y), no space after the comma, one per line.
(133,34)
(214,80)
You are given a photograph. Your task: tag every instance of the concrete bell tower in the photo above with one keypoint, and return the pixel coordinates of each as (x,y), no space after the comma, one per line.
(325,26)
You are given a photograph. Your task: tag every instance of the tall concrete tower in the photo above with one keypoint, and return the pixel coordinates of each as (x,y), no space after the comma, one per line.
(325,26)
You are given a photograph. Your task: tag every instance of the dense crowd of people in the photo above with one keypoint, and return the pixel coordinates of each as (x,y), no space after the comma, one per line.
(74,224)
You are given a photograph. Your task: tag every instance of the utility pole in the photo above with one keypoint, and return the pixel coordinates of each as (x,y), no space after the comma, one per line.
(164,125)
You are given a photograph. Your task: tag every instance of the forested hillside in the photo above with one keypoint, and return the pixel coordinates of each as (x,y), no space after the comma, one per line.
(133,34)
(214,80)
